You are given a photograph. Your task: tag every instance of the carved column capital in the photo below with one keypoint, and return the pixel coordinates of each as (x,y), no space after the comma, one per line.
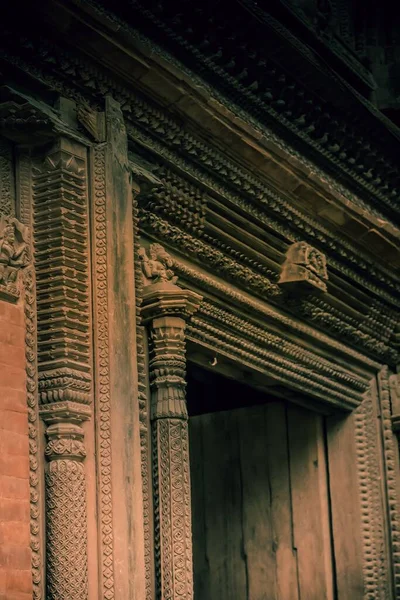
(162,297)
(165,300)
(166,307)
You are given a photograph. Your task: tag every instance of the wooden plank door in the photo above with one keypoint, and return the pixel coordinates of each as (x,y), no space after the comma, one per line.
(261,528)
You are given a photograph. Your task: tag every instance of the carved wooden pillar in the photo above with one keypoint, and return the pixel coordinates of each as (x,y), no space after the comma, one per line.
(166,307)
(64,370)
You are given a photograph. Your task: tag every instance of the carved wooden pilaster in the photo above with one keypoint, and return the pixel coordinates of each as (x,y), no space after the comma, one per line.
(64,373)
(166,307)
(116,366)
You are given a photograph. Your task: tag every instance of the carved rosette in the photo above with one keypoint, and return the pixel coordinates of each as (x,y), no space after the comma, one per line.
(165,308)
(64,372)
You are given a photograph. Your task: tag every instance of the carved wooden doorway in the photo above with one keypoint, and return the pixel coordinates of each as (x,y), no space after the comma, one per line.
(260,495)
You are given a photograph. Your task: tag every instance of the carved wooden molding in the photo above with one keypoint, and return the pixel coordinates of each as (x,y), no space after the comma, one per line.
(165,308)
(118,401)
(101,340)
(375,565)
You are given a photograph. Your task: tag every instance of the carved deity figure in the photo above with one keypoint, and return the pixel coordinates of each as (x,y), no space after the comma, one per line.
(157,267)
(13,249)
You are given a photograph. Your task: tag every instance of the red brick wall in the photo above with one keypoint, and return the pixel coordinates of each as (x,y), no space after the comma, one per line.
(15,554)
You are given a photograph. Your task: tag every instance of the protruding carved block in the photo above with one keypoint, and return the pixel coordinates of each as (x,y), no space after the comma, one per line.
(304,267)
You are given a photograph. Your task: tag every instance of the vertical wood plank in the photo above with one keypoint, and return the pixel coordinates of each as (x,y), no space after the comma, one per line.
(281,509)
(199,488)
(345,506)
(310,510)
(260,505)
(222,554)
(257,527)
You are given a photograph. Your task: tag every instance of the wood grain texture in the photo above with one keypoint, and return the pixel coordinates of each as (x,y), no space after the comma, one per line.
(346,509)
(261,528)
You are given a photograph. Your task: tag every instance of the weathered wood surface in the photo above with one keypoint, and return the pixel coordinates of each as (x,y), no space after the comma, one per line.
(345,507)
(261,523)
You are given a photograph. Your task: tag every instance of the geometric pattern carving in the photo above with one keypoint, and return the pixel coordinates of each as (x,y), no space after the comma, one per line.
(372,519)
(66,546)
(62,263)
(33,418)
(173,528)
(304,267)
(144,403)
(102,374)
(29,300)
(390,465)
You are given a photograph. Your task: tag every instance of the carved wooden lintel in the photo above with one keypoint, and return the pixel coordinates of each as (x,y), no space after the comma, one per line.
(165,308)
(304,267)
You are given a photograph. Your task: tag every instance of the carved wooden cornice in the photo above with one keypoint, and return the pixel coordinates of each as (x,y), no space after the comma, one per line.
(25,120)
(244,72)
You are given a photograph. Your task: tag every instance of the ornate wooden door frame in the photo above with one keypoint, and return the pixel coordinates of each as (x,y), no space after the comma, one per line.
(355,401)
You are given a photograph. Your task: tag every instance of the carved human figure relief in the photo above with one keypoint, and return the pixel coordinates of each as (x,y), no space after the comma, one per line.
(156,267)
(13,254)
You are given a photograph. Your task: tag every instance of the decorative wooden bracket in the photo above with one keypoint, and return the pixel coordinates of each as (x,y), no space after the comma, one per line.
(304,267)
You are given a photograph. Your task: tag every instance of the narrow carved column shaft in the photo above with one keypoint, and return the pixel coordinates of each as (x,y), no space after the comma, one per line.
(166,308)
(66,515)
(172,509)
(171,459)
